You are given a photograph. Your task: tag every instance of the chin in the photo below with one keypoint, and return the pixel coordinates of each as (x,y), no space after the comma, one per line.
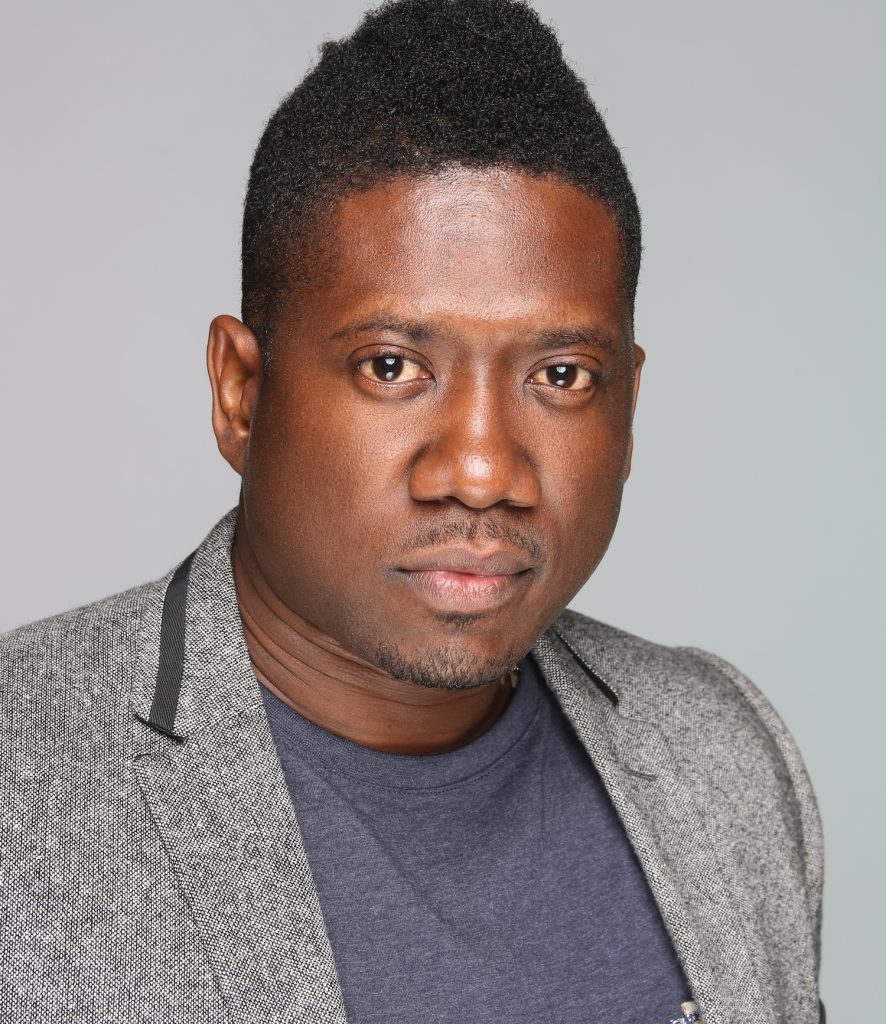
(447,665)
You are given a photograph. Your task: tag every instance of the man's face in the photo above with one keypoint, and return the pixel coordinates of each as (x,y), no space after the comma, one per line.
(435,462)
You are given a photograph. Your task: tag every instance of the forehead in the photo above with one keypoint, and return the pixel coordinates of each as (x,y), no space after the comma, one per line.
(492,245)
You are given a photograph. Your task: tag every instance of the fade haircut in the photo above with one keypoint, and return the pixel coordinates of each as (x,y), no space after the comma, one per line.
(421,85)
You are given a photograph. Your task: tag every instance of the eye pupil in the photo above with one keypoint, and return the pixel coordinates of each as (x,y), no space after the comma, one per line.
(387,367)
(562,376)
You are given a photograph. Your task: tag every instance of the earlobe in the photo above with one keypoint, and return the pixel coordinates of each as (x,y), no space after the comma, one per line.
(233,360)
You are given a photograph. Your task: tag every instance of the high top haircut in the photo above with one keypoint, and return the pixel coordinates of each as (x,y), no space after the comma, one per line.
(419,86)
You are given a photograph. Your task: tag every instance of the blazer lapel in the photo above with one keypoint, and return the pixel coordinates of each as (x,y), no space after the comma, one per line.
(221,806)
(642,775)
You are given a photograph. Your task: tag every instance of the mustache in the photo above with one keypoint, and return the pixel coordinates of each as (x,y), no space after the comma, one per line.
(430,536)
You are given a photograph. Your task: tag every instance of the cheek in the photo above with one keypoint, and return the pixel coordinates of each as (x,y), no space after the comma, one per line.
(323,472)
(583,495)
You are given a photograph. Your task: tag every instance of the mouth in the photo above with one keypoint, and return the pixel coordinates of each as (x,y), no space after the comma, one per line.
(461,580)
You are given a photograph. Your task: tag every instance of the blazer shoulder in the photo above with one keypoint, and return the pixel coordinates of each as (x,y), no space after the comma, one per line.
(683,680)
(59,666)
(81,627)
(685,690)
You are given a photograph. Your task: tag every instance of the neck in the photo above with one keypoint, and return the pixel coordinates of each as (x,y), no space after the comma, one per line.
(341,692)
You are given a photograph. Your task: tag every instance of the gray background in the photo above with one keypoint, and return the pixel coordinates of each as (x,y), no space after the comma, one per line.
(752,524)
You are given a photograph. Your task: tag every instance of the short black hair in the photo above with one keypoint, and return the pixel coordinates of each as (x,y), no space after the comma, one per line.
(420,85)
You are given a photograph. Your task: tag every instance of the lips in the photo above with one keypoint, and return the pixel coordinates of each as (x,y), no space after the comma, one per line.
(465,580)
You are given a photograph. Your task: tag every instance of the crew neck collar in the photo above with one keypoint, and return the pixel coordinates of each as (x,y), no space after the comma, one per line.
(381,769)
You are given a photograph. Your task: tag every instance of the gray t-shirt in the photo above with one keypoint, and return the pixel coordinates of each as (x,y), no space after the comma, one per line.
(493,884)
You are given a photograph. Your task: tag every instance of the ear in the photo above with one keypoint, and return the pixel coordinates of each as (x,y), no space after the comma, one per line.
(639,360)
(233,359)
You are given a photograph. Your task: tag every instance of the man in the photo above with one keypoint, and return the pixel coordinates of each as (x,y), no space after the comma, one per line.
(352,760)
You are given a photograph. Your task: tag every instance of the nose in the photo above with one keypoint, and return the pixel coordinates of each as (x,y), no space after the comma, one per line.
(476,454)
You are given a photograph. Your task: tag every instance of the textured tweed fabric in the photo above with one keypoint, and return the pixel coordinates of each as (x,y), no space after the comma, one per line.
(147,880)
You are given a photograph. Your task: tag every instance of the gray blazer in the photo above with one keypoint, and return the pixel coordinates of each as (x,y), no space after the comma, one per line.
(144,879)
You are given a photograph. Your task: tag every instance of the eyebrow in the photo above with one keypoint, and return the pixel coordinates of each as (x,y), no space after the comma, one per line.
(415,330)
(547,338)
(591,337)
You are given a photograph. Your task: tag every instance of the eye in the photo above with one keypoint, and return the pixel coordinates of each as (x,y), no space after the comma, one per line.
(391,369)
(566,376)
